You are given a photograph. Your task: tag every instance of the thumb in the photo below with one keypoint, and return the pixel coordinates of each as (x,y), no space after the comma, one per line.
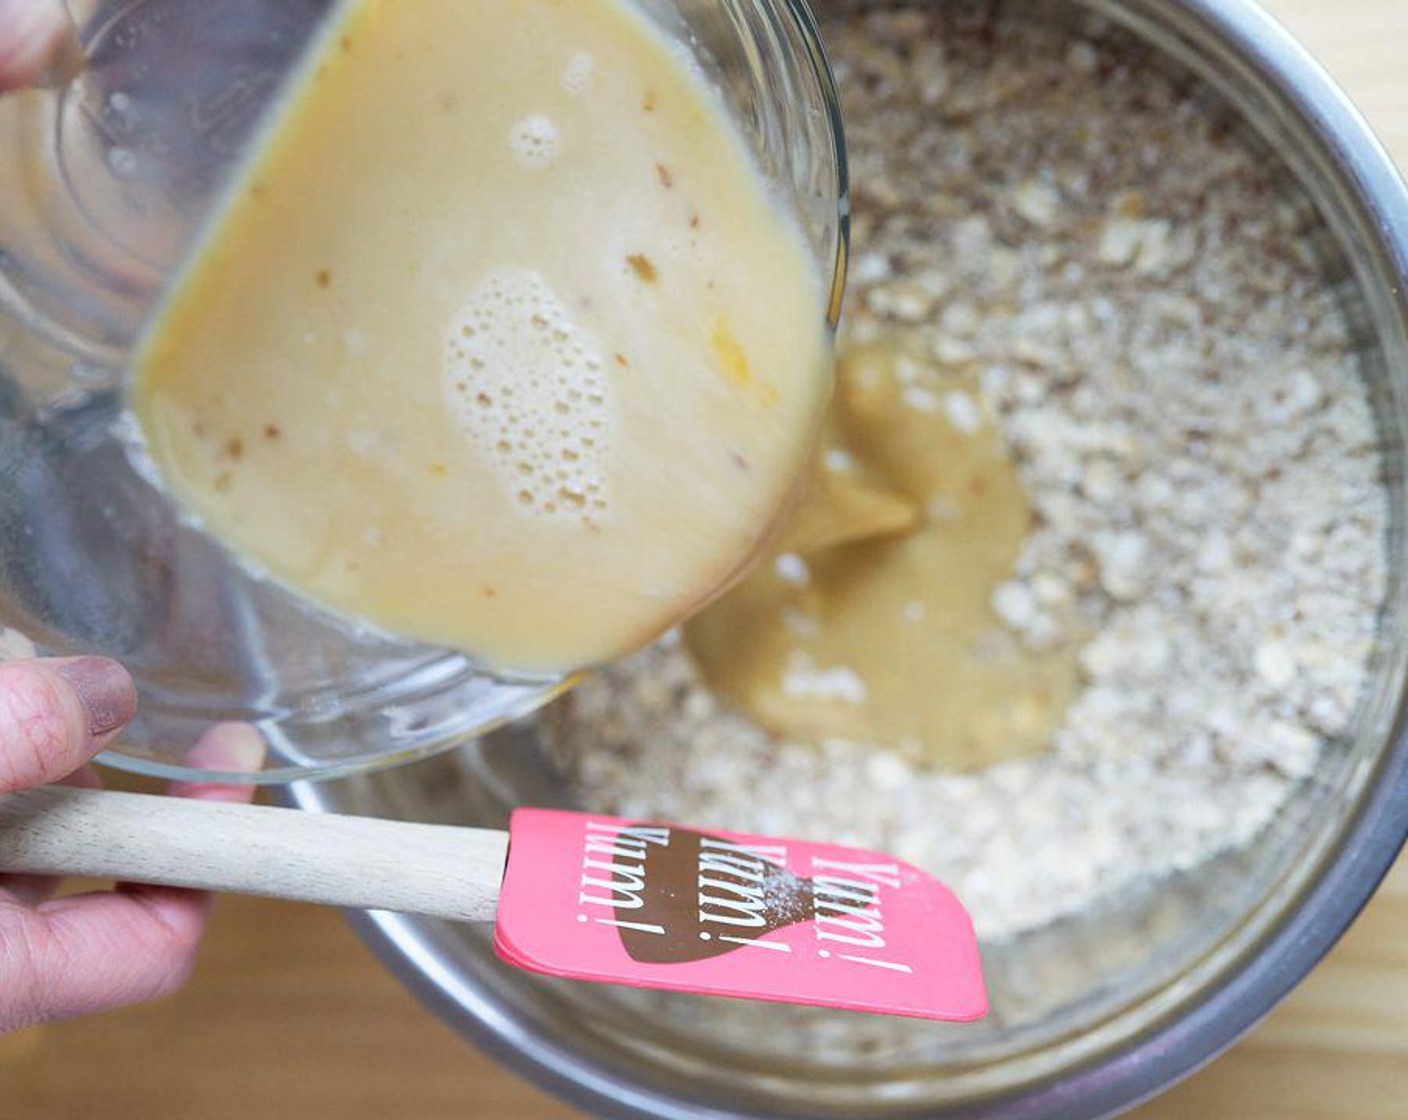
(32,36)
(56,714)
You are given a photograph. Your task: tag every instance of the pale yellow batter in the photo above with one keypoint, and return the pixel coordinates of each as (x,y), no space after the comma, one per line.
(501,341)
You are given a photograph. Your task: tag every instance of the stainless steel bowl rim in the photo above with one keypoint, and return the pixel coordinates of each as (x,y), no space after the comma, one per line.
(1211,1022)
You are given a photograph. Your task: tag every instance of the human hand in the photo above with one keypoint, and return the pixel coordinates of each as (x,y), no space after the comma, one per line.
(32,37)
(91,952)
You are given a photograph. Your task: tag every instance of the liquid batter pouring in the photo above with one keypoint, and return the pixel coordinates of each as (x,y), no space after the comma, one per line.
(500,342)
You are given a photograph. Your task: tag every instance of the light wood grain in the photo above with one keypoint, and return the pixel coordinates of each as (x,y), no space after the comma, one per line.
(331,859)
(289,1018)
(1364,45)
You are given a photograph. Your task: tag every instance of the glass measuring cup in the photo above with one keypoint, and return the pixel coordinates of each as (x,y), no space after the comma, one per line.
(103,184)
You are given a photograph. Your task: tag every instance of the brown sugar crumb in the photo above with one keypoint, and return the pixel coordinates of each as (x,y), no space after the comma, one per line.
(651,101)
(621,359)
(324,278)
(667,179)
(439,470)
(740,462)
(234,448)
(694,221)
(640,264)
(491,593)
(272,431)
(346,44)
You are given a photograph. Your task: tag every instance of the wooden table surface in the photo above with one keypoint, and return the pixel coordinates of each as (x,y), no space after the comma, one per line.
(289,1016)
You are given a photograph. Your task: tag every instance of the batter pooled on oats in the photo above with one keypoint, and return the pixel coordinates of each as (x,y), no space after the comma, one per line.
(875,623)
(1134,299)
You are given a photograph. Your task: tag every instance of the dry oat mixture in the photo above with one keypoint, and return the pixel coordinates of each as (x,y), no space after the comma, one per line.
(1149,325)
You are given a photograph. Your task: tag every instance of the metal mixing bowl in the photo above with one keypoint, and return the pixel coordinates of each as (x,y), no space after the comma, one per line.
(1094,1014)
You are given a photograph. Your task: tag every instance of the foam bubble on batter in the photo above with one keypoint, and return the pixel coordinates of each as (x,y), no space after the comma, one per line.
(578,72)
(528,387)
(533,141)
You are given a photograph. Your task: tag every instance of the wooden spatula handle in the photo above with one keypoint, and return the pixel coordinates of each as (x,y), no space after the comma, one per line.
(359,862)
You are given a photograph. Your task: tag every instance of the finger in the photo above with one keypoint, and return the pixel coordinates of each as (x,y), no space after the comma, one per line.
(56,714)
(234,748)
(33,35)
(30,890)
(87,953)
(93,952)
